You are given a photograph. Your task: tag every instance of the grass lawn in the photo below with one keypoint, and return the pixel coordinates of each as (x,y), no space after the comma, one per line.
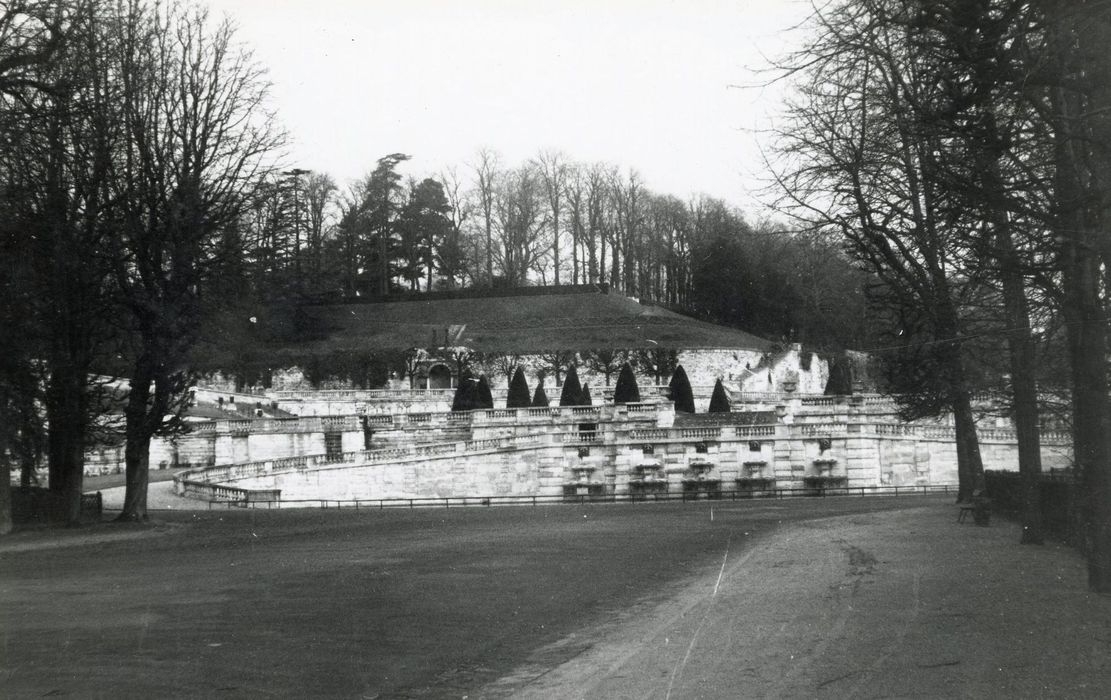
(428,603)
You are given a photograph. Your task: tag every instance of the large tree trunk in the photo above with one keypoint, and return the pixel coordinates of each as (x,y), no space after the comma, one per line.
(975,39)
(30,441)
(1086,324)
(1081,143)
(1024,388)
(971,475)
(1090,441)
(137,461)
(137,443)
(68,417)
(970,465)
(5,497)
(1086,328)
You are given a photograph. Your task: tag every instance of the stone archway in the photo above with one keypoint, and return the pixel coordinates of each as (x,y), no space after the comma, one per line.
(439,377)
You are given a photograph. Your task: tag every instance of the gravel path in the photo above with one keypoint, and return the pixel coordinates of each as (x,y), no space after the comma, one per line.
(160,496)
(893,604)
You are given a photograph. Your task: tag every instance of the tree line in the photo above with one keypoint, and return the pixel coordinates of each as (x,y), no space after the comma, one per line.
(960,150)
(547,221)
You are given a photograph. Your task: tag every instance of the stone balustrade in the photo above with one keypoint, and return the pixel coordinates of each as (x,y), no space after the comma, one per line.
(348,423)
(537,450)
(302,424)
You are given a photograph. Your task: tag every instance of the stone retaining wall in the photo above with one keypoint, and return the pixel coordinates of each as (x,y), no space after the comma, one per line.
(618,450)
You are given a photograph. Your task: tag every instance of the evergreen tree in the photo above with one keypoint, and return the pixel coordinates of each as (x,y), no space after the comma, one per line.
(840,381)
(540,399)
(719,402)
(518,391)
(465,394)
(679,391)
(572,390)
(586,400)
(626,390)
(483,397)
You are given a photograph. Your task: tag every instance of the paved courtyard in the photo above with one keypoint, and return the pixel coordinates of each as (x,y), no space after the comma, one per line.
(836,597)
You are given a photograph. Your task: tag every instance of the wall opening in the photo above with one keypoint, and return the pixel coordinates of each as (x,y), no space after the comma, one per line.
(439,377)
(333,447)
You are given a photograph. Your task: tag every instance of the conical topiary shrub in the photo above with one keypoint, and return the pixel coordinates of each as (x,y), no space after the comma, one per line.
(518,396)
(626,390)
(540,399)
(719,402)
(483,397)
(572,390)
(679,391)
(465,394)
(586,400)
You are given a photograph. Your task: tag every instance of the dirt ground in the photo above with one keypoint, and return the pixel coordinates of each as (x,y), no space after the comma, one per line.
(896,604)
(844,597)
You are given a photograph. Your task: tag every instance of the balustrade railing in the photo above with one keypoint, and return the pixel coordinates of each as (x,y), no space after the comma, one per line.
(542,412)
(700,432)
(196,481)
(303,424)
(361,394)
(821,429)
(821,401)
(747,431)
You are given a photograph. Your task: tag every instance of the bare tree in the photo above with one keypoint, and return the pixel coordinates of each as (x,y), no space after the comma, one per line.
(598,220)
(607,361)
(486,172)
(197,139)
(520,224)
(577,211)
(553,172)
(856,162)
(320,200)
(555,362)
(32,34)
(628,195)
(454,263)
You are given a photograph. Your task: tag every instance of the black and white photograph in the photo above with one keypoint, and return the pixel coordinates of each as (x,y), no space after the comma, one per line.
(561,349)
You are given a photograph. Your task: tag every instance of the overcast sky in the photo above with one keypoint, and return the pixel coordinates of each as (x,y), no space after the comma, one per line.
(637,83)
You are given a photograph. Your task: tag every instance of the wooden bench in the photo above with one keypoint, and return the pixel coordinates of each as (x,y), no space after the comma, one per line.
(979,502)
